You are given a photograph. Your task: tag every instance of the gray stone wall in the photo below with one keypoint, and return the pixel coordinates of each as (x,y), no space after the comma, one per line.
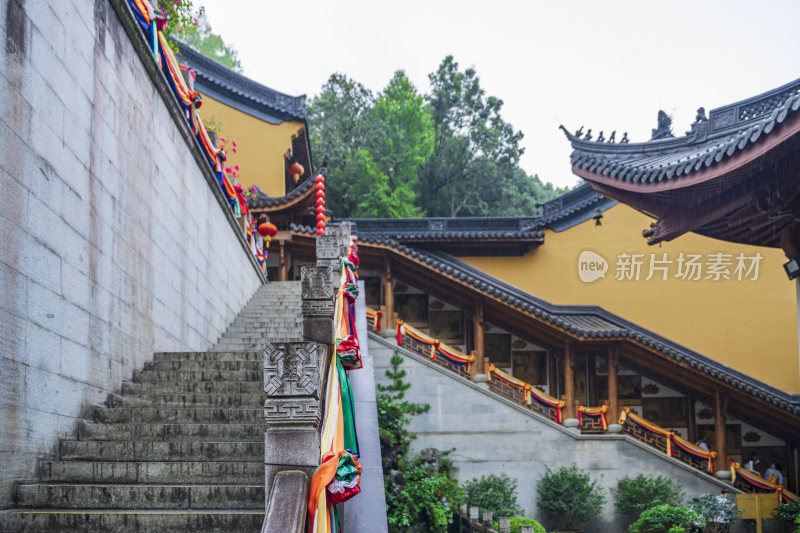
(112,243)
(491,436)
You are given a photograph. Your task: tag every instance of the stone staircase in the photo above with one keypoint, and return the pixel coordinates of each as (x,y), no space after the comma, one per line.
(180,449)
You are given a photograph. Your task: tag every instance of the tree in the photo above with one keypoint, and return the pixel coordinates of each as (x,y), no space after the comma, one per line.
(634,495)
(666,519)
(717,513)
(494,493)
(209,43)
(421,490)
(474,148)
(377,145)
(569,497)
(340,117)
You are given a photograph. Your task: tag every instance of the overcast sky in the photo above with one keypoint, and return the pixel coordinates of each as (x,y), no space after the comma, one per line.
(608,65)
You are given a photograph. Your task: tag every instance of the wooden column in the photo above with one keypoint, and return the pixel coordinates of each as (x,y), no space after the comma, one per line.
(477,332)
(720,412)
(569,380)
(388,296)
(552,371)
(591,379)
(691,422)
(283,271)
(613,391)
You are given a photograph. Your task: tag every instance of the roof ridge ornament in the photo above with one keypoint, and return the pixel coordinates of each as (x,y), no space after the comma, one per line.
(664,129)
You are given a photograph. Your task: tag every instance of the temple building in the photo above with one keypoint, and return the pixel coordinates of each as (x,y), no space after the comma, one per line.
(697,335)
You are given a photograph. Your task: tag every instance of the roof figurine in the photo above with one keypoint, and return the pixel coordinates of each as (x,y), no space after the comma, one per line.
(664,130)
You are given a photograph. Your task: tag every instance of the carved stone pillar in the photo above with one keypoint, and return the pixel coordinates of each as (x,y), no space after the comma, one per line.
(292,411)
(317,288)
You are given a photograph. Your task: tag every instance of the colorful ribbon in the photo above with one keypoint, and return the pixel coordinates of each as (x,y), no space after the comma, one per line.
(528,391)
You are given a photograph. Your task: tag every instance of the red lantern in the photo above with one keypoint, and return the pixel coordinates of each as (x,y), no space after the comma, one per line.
(321,224)
(321,201)
(319,179)
(267,230)
(296,170)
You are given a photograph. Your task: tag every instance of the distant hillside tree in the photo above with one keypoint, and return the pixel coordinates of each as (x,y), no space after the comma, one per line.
(377,145)
(209,43)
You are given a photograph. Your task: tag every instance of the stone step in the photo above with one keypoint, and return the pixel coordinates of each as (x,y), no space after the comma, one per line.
(172,432)
(254,355)
(246,329)
(136,450)
(221,472)
(206,387)
(175,376)
(195,366)
(112,415)
(125,521)
(69,496)
(187,400)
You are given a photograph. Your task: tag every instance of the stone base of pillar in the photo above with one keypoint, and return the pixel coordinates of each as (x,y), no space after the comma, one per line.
(482,380)
(615,428)
(725,475)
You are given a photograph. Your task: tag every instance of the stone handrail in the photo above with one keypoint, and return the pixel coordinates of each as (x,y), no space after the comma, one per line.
(294,382)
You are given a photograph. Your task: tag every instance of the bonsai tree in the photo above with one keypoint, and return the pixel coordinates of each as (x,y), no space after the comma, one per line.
(635,495)
(494,493)
(666,519)
(568,497)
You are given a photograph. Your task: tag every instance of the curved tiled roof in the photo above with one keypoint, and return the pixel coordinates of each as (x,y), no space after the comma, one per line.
(461,228)
(588,321)
(727,131)
(237,88)
(264,200)
(571,208)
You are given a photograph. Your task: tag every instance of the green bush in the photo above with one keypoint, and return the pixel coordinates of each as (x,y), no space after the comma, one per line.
(710,507)
(786,514)
(568,497)
(634,495)
(497,494)
(517,521)
(664,519)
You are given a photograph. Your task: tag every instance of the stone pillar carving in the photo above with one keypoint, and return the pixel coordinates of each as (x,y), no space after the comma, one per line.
(292,410)
(317,289)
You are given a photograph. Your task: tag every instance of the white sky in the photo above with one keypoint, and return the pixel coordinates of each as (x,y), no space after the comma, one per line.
(603,64)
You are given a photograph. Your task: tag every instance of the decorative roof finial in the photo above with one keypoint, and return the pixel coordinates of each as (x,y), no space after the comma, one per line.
(664,130)
(613,137)
(624,138)
(701,115)
(588,135)
(579,133)
(601,138)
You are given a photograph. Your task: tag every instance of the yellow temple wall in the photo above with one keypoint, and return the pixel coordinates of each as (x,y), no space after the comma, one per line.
(749,325)
(262,147)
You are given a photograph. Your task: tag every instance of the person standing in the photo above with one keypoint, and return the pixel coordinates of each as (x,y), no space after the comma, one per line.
(773,474)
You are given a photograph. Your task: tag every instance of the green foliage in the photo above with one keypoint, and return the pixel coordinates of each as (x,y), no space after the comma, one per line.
(402,154)
(569,497)
(634,495)
(182,18)
(716,512)
(787,514)
(494,493)
(421,490)
(209,43)
(665,519)
(517,521)
(677,529)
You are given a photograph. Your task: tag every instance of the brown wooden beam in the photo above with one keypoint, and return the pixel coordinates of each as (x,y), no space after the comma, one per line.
(283,273)
(552,371)
(720,413)
(477,328)
(691,422)
(613,391)
(569,380)
(388,294)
